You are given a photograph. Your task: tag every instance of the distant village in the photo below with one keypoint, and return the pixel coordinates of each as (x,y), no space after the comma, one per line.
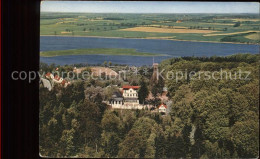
(127,98)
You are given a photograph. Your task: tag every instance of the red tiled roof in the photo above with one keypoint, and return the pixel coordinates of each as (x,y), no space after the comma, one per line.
(57,77)
(48,74)
(165,106)
(133,87)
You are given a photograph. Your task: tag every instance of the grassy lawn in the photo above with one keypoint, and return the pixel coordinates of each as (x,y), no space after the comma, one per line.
(98,51)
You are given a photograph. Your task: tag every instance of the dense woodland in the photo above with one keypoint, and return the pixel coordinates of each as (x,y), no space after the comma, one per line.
(208,118)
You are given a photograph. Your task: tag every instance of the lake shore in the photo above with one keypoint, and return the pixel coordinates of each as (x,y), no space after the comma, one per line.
(106,47)
(98,51)
(153,38)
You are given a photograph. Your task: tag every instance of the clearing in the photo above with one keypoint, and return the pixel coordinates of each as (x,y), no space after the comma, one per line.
(65,32)
(255,36)
(231,24)
(167,30)
(231,33)
(97,71)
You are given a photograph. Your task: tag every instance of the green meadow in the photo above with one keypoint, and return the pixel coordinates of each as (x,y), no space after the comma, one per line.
(204,27)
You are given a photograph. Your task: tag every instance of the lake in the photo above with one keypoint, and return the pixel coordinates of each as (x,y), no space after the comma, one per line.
(169,47)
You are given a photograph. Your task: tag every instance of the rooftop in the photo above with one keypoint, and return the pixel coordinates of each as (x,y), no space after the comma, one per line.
(133,87)
(117,95)
(165,106)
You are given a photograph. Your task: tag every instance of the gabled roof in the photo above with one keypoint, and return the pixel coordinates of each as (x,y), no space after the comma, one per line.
(133,87)
(162,105)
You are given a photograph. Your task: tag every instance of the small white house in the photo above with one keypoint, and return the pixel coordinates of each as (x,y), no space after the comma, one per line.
(162,108)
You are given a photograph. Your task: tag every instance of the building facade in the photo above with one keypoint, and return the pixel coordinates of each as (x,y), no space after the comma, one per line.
(117,100)
(162,108)
(128,99)
(130,94)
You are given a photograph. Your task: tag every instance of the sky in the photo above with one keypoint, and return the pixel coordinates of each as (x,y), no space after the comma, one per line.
(149,7)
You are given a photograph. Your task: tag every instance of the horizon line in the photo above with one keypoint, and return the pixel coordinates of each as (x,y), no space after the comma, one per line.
(146,13)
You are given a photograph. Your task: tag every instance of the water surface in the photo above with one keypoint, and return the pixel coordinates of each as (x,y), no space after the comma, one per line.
(169,47)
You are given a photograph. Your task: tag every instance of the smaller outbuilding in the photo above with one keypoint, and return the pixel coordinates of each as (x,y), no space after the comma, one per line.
(162,108)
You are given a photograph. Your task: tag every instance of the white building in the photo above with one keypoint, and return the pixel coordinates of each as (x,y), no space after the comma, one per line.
(130,94)
(128,99)
(117,100)
(162,108)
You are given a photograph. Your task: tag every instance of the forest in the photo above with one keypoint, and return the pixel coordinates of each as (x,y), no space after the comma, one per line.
(208,118)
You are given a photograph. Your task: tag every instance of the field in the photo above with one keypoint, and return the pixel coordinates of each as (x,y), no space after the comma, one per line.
(96,51)
(195,27)
(251,31)
(167,30)
(254,36)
